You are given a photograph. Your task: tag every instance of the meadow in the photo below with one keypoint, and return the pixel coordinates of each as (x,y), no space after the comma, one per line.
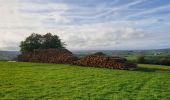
(36,81)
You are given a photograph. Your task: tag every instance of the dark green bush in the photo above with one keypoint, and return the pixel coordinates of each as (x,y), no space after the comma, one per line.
(141,59)
(164,61)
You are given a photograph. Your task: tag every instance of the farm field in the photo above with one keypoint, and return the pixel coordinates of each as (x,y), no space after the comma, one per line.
(21,81)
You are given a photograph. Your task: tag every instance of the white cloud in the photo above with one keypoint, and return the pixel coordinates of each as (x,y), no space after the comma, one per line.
(131,33)
(150,11)
(15,25)
(112,9)
(19,19)
(101,36)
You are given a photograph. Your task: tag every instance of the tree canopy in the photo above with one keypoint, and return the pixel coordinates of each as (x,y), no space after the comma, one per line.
(37,41)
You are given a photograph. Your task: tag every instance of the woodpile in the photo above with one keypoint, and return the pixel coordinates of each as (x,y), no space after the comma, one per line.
(60,56)
(63,56)
(101,60)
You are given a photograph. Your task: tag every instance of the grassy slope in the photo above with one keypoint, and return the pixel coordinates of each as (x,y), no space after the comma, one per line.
(51,81)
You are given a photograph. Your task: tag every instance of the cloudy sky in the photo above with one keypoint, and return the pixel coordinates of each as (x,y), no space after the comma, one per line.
(88,24)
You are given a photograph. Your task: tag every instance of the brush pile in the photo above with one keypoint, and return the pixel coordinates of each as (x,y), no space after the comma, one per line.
(101,60)
(60,56)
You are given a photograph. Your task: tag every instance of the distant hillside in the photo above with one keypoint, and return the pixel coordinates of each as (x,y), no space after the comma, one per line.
(8,55)
(124,53)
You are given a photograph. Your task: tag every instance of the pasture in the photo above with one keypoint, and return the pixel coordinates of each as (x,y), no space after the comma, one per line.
(36,81)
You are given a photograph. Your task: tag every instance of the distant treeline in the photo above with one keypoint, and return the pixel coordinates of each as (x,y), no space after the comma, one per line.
(153,60)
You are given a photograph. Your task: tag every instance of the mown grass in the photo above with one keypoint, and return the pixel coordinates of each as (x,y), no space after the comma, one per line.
(38,81)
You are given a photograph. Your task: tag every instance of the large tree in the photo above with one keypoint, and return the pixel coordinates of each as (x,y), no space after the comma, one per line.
(37,41)
(51,41)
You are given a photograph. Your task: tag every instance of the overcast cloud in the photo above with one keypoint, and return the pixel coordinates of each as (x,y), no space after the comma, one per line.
(88,24)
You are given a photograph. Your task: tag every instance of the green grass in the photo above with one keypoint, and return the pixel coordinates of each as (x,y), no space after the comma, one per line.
(37,81)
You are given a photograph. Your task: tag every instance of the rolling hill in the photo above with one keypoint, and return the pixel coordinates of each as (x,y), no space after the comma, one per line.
(8,55)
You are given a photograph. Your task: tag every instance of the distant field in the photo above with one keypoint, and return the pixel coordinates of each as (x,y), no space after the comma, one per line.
(56,81)
(158,57)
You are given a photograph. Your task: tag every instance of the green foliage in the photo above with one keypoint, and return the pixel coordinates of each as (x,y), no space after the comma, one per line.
(51,41)
(164,61)
(22,81)
(37,41)
(32,42)
(99,53)
(141,59)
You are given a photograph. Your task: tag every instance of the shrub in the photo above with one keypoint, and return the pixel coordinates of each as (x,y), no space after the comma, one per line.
(141,59)
(164,61)
(99,53)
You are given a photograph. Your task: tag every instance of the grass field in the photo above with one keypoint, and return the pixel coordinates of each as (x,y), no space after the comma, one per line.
(37,81)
